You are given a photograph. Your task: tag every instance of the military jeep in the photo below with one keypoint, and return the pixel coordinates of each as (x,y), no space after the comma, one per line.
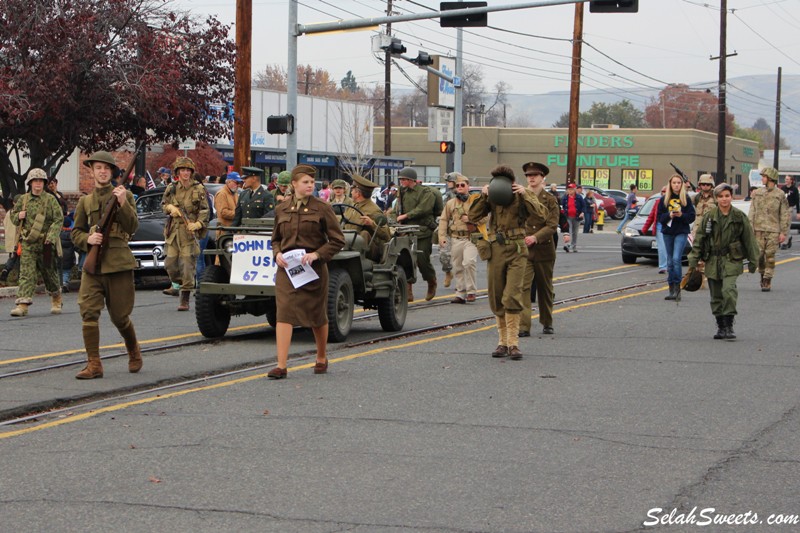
(354,279)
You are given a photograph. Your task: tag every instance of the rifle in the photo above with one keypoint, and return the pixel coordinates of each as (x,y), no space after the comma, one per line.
(95,254)
(684,176)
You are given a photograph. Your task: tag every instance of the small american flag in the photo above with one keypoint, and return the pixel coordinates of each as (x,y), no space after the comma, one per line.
(150,183)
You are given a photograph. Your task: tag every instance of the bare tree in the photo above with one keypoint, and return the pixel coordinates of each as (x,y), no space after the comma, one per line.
(354,145)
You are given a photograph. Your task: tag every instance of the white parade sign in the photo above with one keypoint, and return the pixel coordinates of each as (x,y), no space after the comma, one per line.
(252,262)
(440,124)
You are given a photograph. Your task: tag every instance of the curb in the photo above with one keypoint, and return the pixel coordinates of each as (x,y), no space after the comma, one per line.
(8,292)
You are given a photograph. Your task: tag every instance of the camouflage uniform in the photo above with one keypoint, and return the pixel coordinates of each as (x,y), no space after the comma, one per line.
(33,236)
(769,216)
(182,245)
(702,205)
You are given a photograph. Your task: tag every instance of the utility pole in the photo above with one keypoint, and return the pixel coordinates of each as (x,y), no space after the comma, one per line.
(387,91)
(575,94)
(721,125)
(458,119)
(777,144)
(241,101)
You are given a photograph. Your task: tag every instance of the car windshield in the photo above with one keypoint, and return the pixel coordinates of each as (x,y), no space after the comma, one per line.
(148,204)
(648,206)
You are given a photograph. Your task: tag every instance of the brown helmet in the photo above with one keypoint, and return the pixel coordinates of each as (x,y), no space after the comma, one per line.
(182,162)
(692,281)
(102,157)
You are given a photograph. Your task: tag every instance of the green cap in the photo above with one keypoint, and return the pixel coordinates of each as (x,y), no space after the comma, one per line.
(285,178)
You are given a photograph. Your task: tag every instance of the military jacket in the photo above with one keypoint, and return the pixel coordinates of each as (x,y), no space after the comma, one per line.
(311,226)
(507,222)
(417,203)
(254,204)
(192,201)
(543,228)
(340,200)
(769,211)
(450,223)
(117,256)
(45,203)
(730,241)
(369,208)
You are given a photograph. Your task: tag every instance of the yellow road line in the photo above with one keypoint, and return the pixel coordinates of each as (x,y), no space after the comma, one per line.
(165,396)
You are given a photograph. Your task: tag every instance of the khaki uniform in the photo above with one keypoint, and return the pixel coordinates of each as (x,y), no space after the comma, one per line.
(769,216)
(445,252)
(463,255)
(42,224)
(730,241)
(225,206)
(182,245)
(376,235)
(417,204)
(310,225)
(541,262)
(702,205)
(254,204)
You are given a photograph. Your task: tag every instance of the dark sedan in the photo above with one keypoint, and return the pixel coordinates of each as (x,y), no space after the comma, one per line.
(635,244)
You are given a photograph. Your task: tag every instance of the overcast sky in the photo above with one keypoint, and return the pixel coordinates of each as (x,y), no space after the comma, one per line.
(668,41)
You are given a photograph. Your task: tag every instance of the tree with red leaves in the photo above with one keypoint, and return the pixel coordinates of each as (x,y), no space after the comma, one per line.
(678,106)
(94,74)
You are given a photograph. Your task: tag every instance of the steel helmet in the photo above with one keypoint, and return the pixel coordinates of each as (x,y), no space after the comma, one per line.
(35,174)
(102,157)
(183,162)
(706,178)
(692,281)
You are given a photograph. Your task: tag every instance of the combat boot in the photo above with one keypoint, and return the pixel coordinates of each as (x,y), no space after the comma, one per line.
(512,336)
(721,328)
(671,295)
(132,346)
(91,340)
(171,291)
(448,278)
(766,284)
(56,304)
(431,290)
(410,292)
(184,305)
(729,334)
(21,309)
(502,347)
(677,292)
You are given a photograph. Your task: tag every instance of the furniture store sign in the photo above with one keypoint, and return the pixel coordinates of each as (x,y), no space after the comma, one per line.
(619,142)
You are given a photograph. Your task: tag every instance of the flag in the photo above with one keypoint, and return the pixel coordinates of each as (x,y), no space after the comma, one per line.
(150,183)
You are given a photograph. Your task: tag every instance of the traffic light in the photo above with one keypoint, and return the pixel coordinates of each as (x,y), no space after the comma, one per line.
(447,147)
(479,20)
(614,6)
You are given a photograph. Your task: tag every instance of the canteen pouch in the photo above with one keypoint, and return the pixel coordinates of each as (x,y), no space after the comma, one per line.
(736,251)
(484,249)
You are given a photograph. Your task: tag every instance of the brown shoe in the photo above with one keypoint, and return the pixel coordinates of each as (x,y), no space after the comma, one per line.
(500,351)
(321,368)
(171,292)
(458,300)
(470,298)
(431,290)
(277,373)
(135,360)
(448,278)
(514,353)
(93,370)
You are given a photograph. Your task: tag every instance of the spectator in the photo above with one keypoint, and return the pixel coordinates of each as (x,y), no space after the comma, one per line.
(573,206)
(273,182)
(630,204)
(164,177)
(225,201)
(52,188)
(68,253)
(676,214)
(11,240)
(589,211)
(652,221)
(325,192)
(139,186)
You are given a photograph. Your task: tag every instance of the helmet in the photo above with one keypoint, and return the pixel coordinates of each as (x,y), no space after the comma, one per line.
(183,162)
(706,178)
(285,178)
(407,173)
(692,281)
(35,174)
(770,173)
(101,156)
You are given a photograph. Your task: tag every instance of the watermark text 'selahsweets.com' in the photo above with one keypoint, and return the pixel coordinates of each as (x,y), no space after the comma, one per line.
(708,516)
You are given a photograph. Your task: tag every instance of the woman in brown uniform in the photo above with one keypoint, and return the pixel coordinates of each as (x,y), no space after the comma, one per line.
(310,224)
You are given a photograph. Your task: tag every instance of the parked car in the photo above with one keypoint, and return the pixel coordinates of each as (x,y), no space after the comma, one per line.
(634,244)
(147,244)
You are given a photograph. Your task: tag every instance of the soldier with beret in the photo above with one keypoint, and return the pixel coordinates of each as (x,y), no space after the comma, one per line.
(309,224)
(769,215)
(38,216)
(283,186)
(540,231)
(510,205)
(372,224)
(112,283)
(254,200)
(186,203)
(415,206)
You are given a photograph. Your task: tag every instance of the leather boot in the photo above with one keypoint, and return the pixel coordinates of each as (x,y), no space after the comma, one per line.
(184,305)
(132,346)
(729,334)
(170,291)
(677,292)
(512,336)
(671,295)
(721,332)
(502,347)
(56,304)
(21,309)
(91,340)
(766,284)
(448,278)
(410,292)
(431,290)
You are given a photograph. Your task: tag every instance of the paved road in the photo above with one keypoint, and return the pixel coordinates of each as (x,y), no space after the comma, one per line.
(630,407)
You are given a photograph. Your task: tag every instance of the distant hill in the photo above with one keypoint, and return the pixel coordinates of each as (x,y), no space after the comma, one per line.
(543,110)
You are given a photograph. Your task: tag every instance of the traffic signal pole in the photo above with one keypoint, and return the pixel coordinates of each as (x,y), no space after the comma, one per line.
(458,123)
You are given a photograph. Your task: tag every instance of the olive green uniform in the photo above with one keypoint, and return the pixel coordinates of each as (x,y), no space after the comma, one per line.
(254,204)
(541,262)
(378,234)
(42,224)
(182,245)
(769,216)
(723,242)
(417,205)
(112,284)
